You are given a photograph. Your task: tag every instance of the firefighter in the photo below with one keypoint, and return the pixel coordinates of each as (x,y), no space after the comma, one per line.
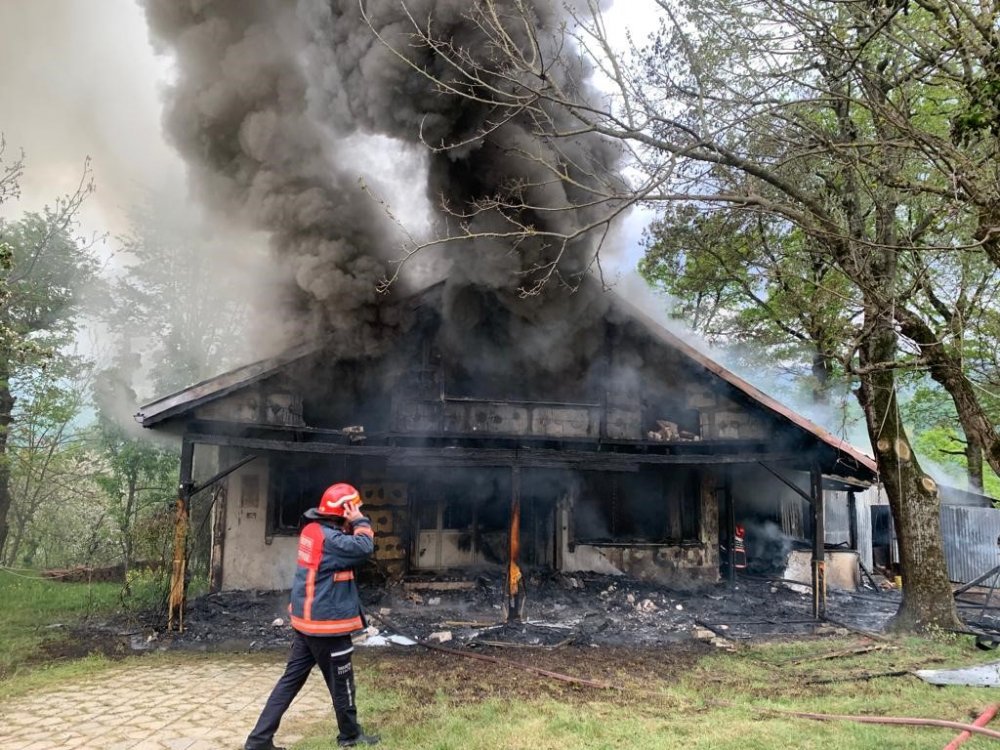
(325,610)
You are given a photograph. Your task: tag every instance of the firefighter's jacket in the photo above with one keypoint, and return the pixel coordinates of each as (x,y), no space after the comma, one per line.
(324,595)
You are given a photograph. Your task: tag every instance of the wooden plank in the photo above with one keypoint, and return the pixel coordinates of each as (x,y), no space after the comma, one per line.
(439,585)
(841,654)
(536,646)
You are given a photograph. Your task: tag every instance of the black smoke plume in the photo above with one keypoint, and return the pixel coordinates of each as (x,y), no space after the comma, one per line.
(267,94)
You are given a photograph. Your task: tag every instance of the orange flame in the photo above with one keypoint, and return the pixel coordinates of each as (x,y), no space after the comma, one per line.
(513,571)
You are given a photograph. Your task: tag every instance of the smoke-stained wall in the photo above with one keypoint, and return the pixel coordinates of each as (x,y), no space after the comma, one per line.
(252,557)
(683,564)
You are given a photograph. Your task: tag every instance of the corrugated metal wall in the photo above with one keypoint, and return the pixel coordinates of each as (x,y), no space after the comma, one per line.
(863,512)
(970,541)
(970,536)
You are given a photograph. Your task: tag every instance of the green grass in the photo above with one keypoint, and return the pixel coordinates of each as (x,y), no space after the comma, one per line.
(668,698)
(36,614)
(719,702)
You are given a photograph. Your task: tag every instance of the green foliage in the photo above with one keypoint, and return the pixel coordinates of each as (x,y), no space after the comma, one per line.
(819,147)
(740,277)
(980,114)
(938,437)
(45,273)
(182,295)
(139,480)
(70,494)
(944,445)
(37,612)
(45,269)
(55,515)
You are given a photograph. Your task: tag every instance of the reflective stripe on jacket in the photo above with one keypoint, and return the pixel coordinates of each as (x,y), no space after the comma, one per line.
(324,595)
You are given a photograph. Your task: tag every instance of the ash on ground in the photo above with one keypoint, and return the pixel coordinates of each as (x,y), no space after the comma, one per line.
(583,609)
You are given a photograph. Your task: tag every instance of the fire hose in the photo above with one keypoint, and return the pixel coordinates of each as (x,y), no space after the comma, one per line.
(981,721)
(975,728)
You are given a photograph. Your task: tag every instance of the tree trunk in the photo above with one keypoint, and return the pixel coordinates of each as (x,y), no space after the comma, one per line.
(6,408)
(978,427)
(14,542)
(916,508)
(128,543)
(974,461)
(946,370)
(821,376)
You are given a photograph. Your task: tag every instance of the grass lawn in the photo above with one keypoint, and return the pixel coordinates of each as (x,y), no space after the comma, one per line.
(705,700)
(35,615)
(676,697)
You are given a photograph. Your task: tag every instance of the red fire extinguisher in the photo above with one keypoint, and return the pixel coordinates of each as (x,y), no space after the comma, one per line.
(739,547)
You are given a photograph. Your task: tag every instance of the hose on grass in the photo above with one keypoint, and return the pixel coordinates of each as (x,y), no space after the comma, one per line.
(981,721)
(893,720)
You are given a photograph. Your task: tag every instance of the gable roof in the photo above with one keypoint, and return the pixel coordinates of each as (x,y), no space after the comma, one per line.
(188,399)
(211,389)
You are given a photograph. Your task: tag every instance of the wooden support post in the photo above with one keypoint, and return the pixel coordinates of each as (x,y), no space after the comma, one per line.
(730,529)
(852,519)
(178,571)
(220,502)
(819,543)
(515,586)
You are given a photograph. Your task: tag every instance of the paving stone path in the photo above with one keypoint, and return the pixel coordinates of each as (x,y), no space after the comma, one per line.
(208,705)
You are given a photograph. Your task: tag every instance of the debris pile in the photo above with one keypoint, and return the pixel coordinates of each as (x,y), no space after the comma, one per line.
(243,620)
(584,609)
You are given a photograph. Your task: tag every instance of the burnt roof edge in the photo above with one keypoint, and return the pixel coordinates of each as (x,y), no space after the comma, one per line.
(744,386)
(179,402)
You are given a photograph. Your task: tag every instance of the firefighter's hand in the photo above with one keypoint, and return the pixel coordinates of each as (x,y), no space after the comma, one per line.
(352,513)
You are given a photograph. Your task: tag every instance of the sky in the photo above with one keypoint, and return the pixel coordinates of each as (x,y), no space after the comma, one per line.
(80,78)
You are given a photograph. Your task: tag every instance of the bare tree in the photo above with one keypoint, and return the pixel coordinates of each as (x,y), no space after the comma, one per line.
(10,174)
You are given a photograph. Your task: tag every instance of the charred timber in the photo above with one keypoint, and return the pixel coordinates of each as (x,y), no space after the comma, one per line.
(729,451)
(635,544)
(221,475)
(805,495)
(492,439)
(471,456)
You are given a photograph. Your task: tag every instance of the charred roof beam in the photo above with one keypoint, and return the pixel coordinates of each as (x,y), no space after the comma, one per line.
(805,495)
(473,456)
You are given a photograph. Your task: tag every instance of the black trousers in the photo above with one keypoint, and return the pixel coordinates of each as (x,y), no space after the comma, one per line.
(332,654)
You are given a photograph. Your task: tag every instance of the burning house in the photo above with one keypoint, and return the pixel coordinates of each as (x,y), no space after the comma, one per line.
(636,455)
(512,416)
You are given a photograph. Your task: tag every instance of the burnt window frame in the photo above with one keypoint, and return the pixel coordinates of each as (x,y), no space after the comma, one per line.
(689,510)
(281,466)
